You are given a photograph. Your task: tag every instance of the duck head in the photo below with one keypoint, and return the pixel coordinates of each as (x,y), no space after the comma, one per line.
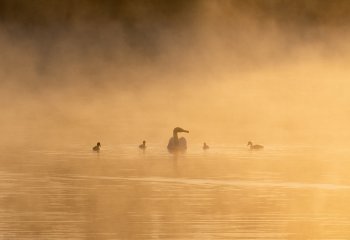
(178,129)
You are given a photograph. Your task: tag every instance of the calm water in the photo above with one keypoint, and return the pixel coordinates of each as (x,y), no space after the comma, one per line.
(282,192)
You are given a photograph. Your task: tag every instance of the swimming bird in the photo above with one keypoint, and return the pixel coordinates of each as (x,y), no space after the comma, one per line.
(205,146)
(254,146)
(97,147)
(143,145)
(176,143)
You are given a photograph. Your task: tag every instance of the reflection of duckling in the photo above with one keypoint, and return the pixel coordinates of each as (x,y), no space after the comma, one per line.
(143,145)
(97,147)
(205,146)
(254,146)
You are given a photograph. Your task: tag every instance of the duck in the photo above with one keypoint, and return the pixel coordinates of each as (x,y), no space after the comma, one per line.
(97,147)
(143,145)
(254,146)
(176,143)
(205,146)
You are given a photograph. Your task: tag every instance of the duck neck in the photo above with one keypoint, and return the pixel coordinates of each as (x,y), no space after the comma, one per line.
(176,138)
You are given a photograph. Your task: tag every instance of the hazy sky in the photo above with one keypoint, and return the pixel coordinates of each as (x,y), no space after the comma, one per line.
(123,71)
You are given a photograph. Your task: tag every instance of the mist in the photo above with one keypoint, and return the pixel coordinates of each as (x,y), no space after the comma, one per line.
(120,72)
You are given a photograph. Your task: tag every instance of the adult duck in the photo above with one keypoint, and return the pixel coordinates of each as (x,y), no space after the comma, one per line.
(176,143)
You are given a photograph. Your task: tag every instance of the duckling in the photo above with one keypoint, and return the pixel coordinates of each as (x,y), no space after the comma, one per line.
(143,145)
(205,146)
(97,147)
(254,146)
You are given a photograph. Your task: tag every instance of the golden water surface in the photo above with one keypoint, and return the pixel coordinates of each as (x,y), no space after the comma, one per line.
(227,192)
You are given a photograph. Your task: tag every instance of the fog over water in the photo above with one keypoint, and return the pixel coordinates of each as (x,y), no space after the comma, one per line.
(124,71)
(274,72)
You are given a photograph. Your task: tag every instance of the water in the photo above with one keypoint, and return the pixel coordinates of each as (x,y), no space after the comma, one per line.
(228,192)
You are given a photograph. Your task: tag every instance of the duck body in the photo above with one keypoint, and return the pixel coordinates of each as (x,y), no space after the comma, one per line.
(254,146)
(97,147)
(175,143)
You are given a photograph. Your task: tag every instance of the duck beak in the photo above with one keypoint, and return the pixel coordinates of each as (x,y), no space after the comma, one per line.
(178,129)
